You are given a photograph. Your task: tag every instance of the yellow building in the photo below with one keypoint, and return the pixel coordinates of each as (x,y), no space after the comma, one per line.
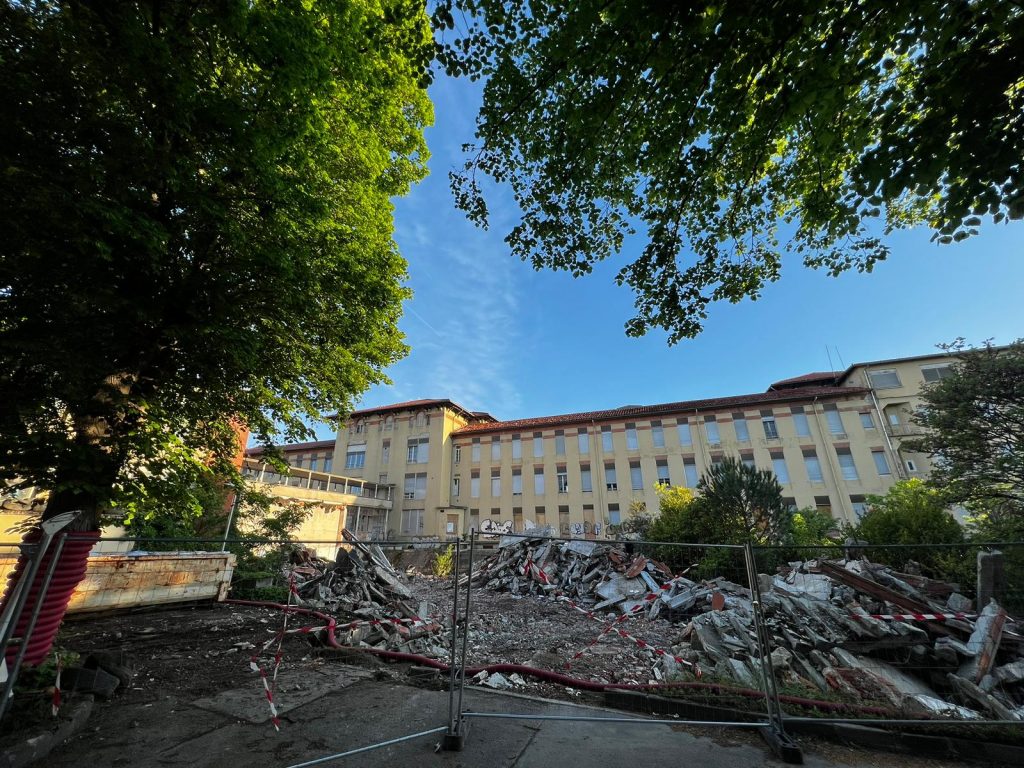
(831,438)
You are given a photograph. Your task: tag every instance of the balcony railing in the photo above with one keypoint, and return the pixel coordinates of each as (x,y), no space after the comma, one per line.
(296,477)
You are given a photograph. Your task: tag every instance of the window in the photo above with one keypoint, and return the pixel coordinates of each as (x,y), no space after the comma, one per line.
(583,441)
(614,515)
(834,419)
(859,506)
(419,449)
(355,457)
(771,431)
(457,456)
(690,473)
(474,484)
(563,479)
(455,487)
(586,483)
(683,430)
(539,512)
(663,478)
(657,434)
(385,452)
(779,467)
(360,427)
(389,423)
(517,482)
(933,373)
(412,522)
(911,466)
(867,420)
(416,486)
(606,439)
(789,503)
(894,417)
(382,478)
(747,459)
(631,441)
(813,466)
(538,481)
(495,511)
(739,423)
(474,451)
(496,448)
(538,444)
(495,483)
(636,477)
(610,480)
(517,448)
(711,429)
(846,464)
(563,518)
(823,504)
(881,463)
(803,429)
(517,518)
(559,442)
(885,379)
(328,463)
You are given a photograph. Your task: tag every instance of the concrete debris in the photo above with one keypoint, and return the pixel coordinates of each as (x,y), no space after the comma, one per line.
(362,586)
(852,628)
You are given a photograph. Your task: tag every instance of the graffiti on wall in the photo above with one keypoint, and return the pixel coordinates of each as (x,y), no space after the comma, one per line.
(579,530)
(489,527)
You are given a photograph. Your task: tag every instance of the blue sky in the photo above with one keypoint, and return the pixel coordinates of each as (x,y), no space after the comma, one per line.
(489,332)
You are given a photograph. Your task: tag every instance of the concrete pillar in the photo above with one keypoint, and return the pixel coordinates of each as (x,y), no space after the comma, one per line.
(991,578)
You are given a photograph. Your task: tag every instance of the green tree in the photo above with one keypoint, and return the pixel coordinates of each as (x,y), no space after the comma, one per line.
(197,218)
(974,429)
(745,504)
(735,504)
(910,512)
(812,527)
(707,125)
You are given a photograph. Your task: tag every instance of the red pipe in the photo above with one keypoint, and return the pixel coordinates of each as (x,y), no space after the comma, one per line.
(558,677)
(74,559)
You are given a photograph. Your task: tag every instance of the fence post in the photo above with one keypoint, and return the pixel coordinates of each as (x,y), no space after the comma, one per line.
(455,739)
(452,722)
(782,745)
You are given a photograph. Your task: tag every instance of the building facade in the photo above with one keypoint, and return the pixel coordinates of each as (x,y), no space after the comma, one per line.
(831,438)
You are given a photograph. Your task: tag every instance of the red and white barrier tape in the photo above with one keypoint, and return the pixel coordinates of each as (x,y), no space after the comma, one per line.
(255,667)
(639,641)
(608,628)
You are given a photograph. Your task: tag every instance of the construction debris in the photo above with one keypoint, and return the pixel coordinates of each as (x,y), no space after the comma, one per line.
(861,630)
(373,606)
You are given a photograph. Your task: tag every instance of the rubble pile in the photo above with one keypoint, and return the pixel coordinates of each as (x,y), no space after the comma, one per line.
(374,608)
(587,571)
(851,629)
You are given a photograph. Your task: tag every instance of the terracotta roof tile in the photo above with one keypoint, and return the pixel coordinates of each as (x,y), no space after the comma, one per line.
(710,404)
(808,378)
(318,445)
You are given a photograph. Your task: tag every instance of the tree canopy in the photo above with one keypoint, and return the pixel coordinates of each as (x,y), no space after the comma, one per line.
(734,504)
(197,228)
(731,133)
(909,513)
(974,427)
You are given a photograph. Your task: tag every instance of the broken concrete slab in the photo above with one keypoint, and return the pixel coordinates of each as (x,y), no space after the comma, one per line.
(294,689)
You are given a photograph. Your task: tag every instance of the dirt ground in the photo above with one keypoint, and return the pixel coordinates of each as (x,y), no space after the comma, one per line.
(181,655)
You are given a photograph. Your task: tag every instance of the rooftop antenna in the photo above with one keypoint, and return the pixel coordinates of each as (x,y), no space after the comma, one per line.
(831,367)
(841,363)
